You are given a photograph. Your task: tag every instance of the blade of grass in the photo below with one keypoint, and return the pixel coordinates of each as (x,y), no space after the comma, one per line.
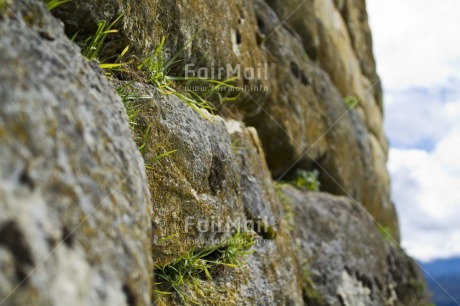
(52,4)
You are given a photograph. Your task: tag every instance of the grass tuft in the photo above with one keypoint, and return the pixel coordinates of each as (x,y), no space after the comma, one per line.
(157,72)
(93,46)
(307,180)
(155,69)
(351,102)
(129,97)
(197,265)
(52,4)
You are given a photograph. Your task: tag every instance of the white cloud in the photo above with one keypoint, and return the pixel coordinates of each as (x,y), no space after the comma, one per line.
(416,41)
(418,117)
(426,189)
(417,46)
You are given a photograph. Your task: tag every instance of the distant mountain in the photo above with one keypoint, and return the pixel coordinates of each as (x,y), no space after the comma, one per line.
(445,286)
(443,267)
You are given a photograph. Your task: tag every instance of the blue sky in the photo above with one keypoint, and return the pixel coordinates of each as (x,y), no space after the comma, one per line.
(417,47)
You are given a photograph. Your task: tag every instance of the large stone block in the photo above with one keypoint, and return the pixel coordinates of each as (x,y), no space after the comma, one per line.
(74,203)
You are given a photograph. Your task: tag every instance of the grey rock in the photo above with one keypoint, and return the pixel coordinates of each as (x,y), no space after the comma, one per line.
(272,278)
(74,203)
(257,188)
(195,190)
(77,203)
(348,260)
(302,120)
(305,124)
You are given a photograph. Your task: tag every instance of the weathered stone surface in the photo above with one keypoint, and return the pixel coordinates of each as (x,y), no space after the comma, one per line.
(322,54)
(269,275)
(68,160)
(74,203)
(355,16)
(348,260)
(193,189)
(182,186)
(137,24)
(300,16)
(338,37)
(272,276)
(219,33)
(339,60)
(258,197)
(305,124)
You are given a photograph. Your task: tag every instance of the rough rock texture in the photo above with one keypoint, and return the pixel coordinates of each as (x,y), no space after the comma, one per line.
(78,203)
(137,22)
(341,29)
(305,124)
(258,195)
(347,259)
(269,276)
(272,269)
(320,56)
(74,203)
(196,182)
(220,33)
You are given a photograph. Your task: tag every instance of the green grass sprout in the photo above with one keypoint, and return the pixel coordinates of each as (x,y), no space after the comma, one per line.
(351,102)
(307,180)
(195,265)
(52,4)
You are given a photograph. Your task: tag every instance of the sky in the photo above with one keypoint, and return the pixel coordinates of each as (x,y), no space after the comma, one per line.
(417,48)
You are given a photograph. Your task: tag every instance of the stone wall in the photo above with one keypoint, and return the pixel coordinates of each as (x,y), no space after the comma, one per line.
(86,220)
